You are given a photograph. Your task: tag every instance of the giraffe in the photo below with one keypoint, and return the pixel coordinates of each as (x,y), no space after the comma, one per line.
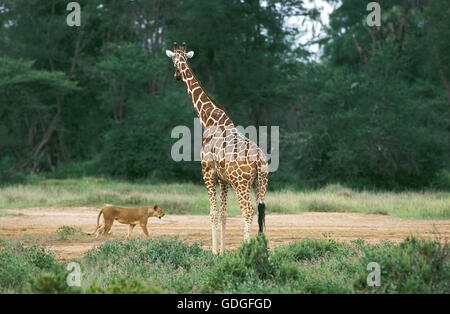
(227,156)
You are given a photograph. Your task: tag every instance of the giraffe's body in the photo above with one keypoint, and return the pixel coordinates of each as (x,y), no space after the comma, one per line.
(227,156)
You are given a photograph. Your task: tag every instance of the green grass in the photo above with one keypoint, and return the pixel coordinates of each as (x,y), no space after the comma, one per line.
(169,265)
(335,198)
(192,199)
(6,214)
(68,232)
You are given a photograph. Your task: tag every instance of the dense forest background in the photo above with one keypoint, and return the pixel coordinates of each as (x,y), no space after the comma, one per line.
(371,111)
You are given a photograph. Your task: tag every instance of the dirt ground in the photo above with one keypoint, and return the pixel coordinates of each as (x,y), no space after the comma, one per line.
(40,225)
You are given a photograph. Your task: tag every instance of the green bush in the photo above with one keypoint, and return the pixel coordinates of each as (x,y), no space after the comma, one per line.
(249,262)
(19,264)
(288,272)
(308,249)
(170,264)
(173,266)
(65,232)
(172,253)
(124,285)
(413,266)
(51,281)
(314,266)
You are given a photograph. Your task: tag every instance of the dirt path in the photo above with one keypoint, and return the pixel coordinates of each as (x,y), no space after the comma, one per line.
(40,225)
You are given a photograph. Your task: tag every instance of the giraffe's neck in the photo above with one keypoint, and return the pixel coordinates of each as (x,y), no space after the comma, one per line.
(209,112)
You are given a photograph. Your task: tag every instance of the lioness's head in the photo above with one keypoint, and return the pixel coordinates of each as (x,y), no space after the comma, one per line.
(155,211)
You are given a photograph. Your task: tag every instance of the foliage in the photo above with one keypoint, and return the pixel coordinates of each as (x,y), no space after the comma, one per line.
(172,253)
(124,285)
(165,265)
(66,232)
(308,250)
(413,266)
(172,266)
(53,281)
(370,111)
(249,263)
(30,269)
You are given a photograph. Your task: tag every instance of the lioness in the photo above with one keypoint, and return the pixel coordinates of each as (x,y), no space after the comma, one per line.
(131,216)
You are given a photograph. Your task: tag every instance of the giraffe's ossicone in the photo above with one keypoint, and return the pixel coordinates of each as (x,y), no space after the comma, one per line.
(227,156)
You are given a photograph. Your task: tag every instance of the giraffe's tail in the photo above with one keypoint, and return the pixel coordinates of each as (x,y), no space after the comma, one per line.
(261,217)
(262,185)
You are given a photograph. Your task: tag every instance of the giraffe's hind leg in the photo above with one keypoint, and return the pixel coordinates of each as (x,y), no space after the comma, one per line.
(243,193)
(223,212)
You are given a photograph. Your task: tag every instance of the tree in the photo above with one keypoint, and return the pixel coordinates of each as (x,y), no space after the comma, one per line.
(28,100)
(379,119)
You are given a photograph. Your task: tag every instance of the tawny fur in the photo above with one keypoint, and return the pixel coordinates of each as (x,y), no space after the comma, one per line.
(124,215)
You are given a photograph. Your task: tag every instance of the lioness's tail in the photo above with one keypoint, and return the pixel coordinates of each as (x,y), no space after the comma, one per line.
(98,218)
(98,221)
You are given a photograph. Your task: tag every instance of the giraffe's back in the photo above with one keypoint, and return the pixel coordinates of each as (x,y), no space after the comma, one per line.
(235,158)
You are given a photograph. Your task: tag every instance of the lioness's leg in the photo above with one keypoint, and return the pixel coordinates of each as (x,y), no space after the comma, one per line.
(130,230)
(108,225)
(144,228)
(99,229)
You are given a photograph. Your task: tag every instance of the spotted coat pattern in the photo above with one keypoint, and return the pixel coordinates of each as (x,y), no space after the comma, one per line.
(227,156)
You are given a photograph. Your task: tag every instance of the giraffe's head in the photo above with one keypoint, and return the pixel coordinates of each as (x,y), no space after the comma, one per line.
(179,55)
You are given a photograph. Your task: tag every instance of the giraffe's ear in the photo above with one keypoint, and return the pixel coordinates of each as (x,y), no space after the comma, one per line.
(190,54)
(170,54)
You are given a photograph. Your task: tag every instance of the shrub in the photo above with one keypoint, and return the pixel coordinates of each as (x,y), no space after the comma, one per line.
(413,266)
(124,285)
(288,272)
(19,264)
(172,265)
(65,232)
(308,249)
(249,262)
(173,253)
(53,281)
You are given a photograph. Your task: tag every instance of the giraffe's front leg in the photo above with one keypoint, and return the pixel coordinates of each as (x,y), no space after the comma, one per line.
(223,213)
(210,182)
